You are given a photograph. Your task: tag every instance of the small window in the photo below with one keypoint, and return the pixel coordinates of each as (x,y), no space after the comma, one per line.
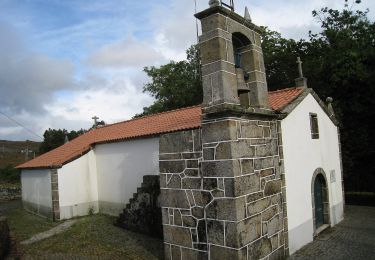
(314,126)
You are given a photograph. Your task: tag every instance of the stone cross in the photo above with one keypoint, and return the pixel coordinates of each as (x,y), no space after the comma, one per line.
(95,120)
(299,62)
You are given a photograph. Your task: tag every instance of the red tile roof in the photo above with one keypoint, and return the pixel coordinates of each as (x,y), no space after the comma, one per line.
(171,121)
(281,98)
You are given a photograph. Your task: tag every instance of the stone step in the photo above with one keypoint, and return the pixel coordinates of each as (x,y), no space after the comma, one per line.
(140,213)
(150,180)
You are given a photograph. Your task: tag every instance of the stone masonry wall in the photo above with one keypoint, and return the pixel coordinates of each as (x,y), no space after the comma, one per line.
(243,161)
(182,197)
(55,195)
(10,192)
(226,201)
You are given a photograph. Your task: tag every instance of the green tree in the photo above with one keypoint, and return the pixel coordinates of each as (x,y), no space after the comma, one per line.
(338,62)
(54,138)
(345,58)
(175,85)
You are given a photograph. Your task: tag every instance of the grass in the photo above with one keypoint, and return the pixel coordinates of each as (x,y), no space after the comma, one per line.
(24,224)
(96,236)
(93,237)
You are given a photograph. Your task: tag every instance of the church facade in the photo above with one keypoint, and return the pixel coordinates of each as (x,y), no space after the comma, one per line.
(249,174)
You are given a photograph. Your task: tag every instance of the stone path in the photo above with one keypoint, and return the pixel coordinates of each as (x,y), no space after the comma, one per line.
(49,233)
(353,238)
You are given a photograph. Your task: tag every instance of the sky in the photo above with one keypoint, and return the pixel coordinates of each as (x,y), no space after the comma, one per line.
(64,61)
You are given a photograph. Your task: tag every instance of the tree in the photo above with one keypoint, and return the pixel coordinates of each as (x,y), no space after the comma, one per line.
(176,84)
(346,71)
(54,138)
(338,62)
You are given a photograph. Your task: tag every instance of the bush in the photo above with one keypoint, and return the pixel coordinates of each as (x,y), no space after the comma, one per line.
(9,174)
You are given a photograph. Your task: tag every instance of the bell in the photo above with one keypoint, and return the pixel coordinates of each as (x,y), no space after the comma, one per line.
(241,84)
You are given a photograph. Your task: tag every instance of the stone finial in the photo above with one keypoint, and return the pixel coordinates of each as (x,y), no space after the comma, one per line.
(301,81)
(213,3)
(299,62)
(247,14)
(329,101)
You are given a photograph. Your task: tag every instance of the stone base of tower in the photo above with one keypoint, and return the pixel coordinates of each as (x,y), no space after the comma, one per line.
(223,194)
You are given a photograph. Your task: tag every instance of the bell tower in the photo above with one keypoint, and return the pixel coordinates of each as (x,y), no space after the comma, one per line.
(223,193)
(232,60)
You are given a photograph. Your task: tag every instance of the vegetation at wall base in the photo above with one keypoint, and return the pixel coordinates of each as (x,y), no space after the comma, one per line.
(360,198)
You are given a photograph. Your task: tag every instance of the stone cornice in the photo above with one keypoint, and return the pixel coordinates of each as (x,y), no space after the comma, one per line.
(226,12)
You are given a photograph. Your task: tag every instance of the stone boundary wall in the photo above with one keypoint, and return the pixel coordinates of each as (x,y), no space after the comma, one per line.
(10,193)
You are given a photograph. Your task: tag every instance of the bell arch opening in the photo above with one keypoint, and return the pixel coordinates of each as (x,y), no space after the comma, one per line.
(241,53)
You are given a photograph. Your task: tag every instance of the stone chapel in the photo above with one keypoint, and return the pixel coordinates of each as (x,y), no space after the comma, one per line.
(249,174)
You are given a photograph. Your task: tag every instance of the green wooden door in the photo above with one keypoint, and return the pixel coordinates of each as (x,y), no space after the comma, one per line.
(318,198)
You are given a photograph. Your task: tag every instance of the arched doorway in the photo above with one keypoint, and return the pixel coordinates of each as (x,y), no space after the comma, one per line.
(320,201)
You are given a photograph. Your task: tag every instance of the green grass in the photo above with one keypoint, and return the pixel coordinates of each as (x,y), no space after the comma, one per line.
(93,237)
(96,236)
(24,224)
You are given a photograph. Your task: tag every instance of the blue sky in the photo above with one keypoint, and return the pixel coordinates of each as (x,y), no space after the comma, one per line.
(64,61)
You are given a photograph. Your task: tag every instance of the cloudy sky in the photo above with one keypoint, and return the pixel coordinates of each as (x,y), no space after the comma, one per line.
(64,61)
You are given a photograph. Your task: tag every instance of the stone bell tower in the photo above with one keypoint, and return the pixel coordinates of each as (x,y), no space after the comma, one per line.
(232,60)
(223,185)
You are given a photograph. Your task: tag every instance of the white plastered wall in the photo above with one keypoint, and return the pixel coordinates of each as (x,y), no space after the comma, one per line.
(302,156)
(121,167)
(36,191)
(78,193)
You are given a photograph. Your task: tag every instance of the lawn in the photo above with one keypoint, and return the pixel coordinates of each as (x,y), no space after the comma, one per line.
(91,237)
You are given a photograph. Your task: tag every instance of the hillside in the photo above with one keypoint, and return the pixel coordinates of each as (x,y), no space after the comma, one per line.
(11,151)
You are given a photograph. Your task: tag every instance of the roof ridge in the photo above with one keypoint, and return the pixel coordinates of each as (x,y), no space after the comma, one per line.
(283,89)
(150,115)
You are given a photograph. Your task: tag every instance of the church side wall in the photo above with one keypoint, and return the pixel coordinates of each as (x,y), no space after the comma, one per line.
(77,182)
(36,191)
(303,155)
(121,167)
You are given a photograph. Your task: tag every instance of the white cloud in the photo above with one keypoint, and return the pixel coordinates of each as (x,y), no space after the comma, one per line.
(118,101)
(28,79)
(125,53)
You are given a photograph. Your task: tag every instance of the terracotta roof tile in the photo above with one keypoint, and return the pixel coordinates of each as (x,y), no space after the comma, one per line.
(281,98)
(171,121)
